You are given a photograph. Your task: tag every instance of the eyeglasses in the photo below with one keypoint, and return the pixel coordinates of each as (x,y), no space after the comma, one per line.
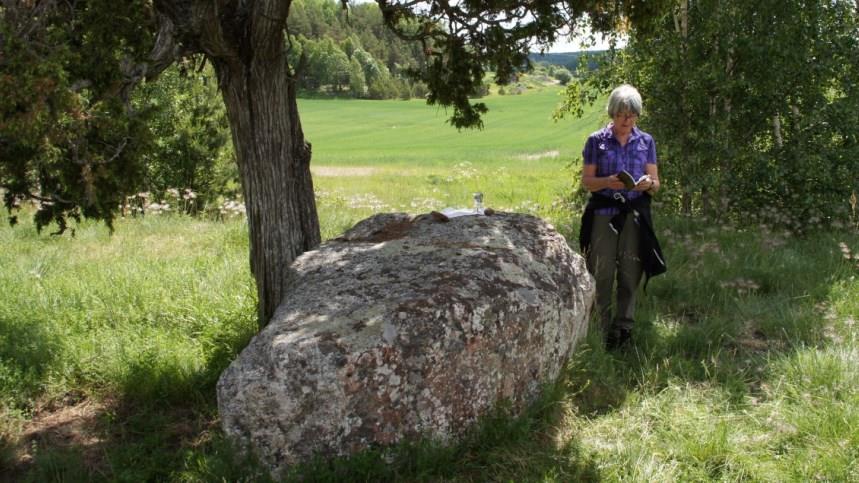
(626,116)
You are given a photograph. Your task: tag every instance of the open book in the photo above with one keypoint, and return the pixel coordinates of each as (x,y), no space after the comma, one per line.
(628,181)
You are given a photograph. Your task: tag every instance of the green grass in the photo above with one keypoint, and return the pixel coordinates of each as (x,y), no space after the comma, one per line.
(371,156)
(413,135)
(743,367)
(146,318)
(726,382)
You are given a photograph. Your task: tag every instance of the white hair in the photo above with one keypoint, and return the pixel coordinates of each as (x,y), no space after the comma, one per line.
(624,98)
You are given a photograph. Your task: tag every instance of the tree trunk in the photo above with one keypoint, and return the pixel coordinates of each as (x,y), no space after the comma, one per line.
(686,202)
(777,131)
(245,42)
(681,26)
(274,165)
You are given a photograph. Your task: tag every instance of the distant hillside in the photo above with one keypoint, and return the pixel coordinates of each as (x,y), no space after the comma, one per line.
(570,60)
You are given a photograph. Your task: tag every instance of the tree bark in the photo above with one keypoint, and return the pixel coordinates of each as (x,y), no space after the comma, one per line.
(274,165)
(686,202)
(777,131)
(245,42)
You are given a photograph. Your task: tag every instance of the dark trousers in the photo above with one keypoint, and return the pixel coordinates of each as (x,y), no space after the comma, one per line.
(614,258)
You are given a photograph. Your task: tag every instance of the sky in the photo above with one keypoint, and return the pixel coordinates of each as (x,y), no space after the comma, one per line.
(573,45)
(568,45)
(565,45)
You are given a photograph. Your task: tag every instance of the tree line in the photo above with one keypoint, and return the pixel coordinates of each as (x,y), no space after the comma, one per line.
(351,52)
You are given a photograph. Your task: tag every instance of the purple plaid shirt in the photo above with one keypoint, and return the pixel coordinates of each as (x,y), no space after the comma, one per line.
(604,150)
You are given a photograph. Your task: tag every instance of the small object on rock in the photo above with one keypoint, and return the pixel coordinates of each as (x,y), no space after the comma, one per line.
(437,216)
(488,212)
(478,202)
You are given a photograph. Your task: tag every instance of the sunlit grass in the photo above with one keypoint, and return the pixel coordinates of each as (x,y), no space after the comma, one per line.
(151,314)
(412,134)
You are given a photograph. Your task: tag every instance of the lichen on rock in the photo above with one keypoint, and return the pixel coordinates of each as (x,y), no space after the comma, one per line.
(407,328)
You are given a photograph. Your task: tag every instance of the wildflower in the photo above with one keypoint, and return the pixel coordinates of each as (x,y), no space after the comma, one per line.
(366,201)
(424,204)
(231,208)
(741,285)
(527,206)
(462,171)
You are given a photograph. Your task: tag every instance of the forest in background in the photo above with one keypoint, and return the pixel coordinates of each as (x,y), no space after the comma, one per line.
(350,52)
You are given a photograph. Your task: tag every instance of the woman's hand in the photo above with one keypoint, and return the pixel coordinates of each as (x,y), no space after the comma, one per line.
(593,183)
(645,184)
(614,183)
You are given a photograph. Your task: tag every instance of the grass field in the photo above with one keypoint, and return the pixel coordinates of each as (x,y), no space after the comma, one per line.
(743,367)
(416,136)
(402,156)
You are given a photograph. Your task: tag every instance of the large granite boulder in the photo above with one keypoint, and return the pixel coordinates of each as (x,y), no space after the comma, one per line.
(407,328)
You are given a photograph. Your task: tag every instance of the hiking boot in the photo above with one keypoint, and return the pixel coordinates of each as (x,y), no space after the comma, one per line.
(617,337)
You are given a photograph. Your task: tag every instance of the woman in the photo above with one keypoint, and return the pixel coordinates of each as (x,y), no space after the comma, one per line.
(617,233)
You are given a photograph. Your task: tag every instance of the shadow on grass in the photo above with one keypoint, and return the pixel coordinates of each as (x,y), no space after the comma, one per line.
(160,420)
(159,440)
(697,327)
(164,426)
(116,441)
(27,351)
(501,447)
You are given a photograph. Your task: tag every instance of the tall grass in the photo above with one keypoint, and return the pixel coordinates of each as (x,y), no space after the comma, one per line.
(743,364)
(145,317)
